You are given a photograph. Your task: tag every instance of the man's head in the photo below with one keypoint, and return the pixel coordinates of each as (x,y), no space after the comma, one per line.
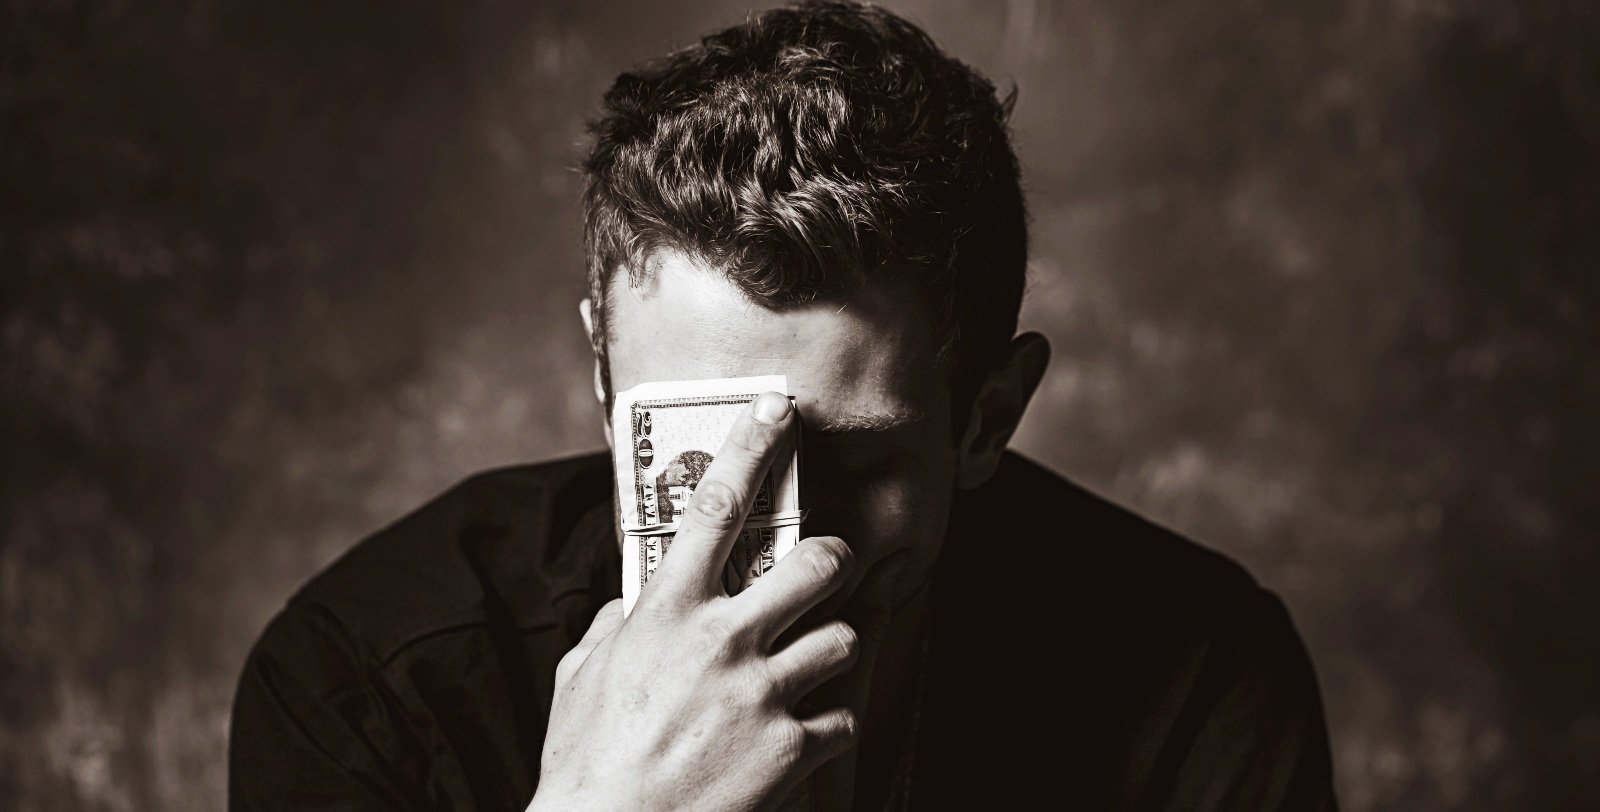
(822,193)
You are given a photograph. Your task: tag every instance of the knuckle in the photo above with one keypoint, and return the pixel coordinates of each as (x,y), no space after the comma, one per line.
(737,696)
(788,741)
(720,640)
(756,690)
(844,641)
(841,550)
(714,502)
(827,559)
(774,684)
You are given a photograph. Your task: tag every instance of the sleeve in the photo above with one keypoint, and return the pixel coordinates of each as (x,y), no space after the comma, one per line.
(1257,739)
(310,729)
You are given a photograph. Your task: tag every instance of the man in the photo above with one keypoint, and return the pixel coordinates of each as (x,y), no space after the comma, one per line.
(818,193)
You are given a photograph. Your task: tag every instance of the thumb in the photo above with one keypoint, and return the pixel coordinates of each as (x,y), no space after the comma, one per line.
(605,622)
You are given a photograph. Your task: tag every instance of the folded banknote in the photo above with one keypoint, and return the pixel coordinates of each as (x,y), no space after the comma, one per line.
(666,433)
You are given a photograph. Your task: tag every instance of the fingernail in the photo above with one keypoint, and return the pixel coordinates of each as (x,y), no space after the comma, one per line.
(771,407)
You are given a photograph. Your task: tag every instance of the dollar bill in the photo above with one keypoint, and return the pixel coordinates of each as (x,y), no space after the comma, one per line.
(666,434)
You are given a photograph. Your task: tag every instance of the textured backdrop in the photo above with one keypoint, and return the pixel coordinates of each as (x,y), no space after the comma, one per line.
(1321,277)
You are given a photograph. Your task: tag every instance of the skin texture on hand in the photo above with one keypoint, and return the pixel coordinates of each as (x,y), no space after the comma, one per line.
(686,704)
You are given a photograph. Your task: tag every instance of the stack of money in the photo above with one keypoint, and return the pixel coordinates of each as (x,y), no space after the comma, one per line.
(665,435)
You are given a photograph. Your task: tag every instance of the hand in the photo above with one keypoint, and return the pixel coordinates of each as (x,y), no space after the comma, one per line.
(684,704)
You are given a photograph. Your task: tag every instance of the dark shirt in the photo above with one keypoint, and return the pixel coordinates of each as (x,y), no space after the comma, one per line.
(1080,657)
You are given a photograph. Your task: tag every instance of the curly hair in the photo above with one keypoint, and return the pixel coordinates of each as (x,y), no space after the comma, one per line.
(808,150)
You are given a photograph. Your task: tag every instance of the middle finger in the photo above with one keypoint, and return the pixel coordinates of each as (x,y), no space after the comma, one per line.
(722,499)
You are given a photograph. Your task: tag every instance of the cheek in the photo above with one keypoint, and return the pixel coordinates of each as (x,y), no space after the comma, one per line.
(879,512)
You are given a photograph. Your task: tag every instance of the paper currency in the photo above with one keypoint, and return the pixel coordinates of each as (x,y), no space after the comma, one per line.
(666,434)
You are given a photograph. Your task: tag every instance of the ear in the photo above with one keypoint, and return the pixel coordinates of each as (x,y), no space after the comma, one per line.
(586,312)
(998,409)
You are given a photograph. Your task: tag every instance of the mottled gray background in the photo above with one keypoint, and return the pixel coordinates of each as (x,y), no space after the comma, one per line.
(1321,278)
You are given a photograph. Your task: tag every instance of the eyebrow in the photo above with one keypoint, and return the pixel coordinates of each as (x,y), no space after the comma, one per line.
(868,422)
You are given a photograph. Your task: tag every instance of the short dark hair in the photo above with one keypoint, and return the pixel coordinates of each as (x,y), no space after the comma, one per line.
(808,150)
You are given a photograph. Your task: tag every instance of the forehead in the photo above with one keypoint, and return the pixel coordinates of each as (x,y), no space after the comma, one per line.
(868,353)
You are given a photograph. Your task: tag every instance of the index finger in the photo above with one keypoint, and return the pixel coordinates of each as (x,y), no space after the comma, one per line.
(722,499)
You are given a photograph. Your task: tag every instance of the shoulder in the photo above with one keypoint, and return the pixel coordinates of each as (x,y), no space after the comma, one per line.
(1032,546)
(441,566)
(328,703)
(1163,619)
(1175,651)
